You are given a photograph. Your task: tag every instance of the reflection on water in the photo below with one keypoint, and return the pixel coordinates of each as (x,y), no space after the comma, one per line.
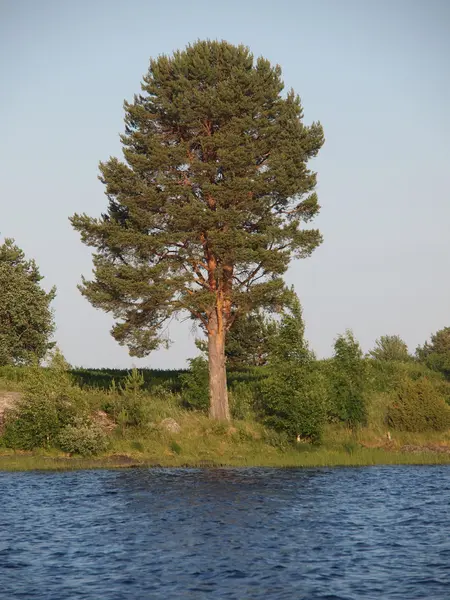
(377,533)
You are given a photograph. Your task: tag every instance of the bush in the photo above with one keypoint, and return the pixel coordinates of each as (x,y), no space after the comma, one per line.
(293,396)
(50,402)
(82,437)
(418,407)
(195,385)
(294,401)
(128,404)
(348,381)
(242,400)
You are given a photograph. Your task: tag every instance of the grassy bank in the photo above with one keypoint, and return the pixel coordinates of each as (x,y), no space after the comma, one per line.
(132,421)
(320,458)
(244,444)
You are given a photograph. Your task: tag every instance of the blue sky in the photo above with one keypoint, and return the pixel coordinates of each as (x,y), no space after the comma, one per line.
(375,73)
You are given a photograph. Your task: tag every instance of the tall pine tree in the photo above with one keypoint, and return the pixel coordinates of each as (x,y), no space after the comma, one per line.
(206,211)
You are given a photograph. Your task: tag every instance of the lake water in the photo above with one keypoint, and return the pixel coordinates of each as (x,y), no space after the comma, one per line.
(378,533)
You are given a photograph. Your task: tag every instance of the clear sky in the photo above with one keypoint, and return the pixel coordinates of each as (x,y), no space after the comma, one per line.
(374,72)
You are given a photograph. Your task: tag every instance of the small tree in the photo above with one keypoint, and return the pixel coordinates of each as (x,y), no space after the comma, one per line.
(194,384)
(390,347)
(348,380)
(26,319)
(436,353)
(293,395)
(207,211)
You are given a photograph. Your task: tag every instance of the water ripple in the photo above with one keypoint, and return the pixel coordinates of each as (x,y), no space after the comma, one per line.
(336,534)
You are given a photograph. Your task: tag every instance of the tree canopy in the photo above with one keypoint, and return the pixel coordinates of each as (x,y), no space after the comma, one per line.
(390,347)
(26,318)
(436,353)
(207,210)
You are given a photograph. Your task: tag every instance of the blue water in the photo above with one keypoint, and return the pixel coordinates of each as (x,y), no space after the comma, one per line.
(379,533)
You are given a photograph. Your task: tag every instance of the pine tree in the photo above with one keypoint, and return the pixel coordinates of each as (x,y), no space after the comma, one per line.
(26,318)
(206,211)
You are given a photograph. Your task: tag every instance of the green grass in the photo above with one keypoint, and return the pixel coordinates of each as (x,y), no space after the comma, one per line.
(205,443)
(202,443)
(315,458)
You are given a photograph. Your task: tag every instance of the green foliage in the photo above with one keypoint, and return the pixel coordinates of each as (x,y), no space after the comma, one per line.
(418,407)
(175,447)
(293,396)
(82,437)
(215,170)
(390,348)
(242,400)
(26,319)
(436,354)
(249,340)
(348,381)
(385,376)
(153,378)
(210,204)
(294,401)
(288,346)
(50,402)
(128,404)
(195,385)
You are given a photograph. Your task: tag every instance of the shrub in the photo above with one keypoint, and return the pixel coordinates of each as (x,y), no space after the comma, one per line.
(50,402)
(195,385)
(242,400)
(127,404)
(418,407)
(348,381)
(175,447)
(294,401)
(82,437)
(293,396)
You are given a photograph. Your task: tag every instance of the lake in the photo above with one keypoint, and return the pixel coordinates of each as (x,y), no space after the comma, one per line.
(342,533)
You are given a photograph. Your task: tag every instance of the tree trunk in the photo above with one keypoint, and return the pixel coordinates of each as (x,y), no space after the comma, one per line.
(218,393)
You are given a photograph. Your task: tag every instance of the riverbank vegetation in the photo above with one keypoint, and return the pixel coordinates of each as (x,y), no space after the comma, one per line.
(294,411)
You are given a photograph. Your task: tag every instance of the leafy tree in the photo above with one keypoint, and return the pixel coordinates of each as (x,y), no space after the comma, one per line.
(248,341)
(293,397)
(348,380)
(194,385)
(206,211)
(26,319)
(390,347)
(436,353)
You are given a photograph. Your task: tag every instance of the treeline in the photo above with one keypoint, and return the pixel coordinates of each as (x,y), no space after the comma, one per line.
(298,394)
(292,393)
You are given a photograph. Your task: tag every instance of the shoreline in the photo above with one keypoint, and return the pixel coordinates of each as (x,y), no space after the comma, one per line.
(19,461)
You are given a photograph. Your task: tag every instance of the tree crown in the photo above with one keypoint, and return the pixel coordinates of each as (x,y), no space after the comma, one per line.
(207,209)
(26,318)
